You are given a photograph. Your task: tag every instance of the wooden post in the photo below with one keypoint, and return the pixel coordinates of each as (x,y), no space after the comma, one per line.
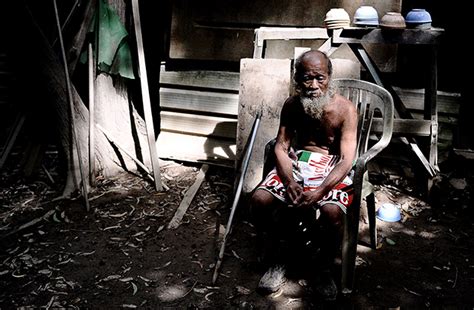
(146,97)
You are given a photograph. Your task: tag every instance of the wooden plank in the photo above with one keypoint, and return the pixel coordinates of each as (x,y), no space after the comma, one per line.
(205,79)
(188,198)
(379,36)
(279,33)
(193,148)
(199,125)
(405,127)
(414,99)
(201,101)
(146,96)
(271,97)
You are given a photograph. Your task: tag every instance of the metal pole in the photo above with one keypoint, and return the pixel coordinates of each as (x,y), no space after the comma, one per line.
(245,164)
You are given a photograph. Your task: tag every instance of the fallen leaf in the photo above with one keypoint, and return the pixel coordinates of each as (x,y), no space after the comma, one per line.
(135,288)
(390,241)
(242,290)
(111,277)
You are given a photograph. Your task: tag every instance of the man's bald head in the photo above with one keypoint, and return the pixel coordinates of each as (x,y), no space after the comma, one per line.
(308,57)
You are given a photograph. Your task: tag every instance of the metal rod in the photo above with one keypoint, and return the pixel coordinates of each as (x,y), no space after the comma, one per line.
(245,164)
(71,107)
(91,115)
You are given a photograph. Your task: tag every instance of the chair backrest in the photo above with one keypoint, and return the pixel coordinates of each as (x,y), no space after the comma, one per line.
(375,109)
(375,112)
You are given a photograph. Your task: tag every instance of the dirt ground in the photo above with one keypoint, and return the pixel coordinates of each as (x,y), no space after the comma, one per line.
(122,255)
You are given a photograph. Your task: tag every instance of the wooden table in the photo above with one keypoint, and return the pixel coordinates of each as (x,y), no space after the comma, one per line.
(426,130)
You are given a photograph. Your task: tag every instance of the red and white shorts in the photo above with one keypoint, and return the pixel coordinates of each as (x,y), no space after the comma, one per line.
(310,169)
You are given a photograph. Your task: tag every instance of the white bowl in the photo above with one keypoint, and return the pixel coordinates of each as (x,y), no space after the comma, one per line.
(337,14)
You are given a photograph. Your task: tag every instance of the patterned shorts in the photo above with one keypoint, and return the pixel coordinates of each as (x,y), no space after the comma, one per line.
(310,169)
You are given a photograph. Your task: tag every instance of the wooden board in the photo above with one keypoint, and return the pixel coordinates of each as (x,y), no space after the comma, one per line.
(205,79)
(253,73)
(414,99)
(199,125)
(200,101)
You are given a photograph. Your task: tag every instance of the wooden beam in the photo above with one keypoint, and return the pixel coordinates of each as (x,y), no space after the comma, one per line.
(405,127)
(188,198)
(146,96)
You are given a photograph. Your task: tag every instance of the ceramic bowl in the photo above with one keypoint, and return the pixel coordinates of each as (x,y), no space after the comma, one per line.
(389,213)
(419,19)
(392,20)
(337,14)
(418,16)
(366,12)
(366,22)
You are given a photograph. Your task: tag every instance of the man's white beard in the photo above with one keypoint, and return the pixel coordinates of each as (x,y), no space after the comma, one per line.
(314,106)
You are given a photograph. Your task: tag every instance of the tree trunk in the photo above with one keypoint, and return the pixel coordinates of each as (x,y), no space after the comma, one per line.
(114,112)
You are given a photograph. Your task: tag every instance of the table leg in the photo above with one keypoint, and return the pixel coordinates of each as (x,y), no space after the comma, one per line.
(360,52)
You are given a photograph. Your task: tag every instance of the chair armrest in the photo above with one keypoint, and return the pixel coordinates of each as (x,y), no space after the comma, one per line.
(361,162)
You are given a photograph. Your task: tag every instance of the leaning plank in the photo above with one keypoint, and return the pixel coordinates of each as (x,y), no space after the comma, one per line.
(113,141)
(205,79)
(150,131)
(200,101)
(188,198)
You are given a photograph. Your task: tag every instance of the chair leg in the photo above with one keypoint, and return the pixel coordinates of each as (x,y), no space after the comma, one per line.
(349,248)
(370,200)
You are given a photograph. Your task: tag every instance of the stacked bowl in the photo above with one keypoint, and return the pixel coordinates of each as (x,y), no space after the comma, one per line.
(337,18)
(366,16)
(392,21)
(419,19)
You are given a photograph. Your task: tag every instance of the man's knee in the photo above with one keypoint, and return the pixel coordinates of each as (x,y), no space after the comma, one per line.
(261,199)
(331,214)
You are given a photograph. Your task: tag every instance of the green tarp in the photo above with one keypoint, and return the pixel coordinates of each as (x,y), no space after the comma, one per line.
(113,55)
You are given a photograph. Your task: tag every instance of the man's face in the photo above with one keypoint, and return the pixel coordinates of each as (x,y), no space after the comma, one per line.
(313,86)
(314,80)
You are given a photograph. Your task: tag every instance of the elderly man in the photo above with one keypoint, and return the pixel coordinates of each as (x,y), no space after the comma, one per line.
(314,151)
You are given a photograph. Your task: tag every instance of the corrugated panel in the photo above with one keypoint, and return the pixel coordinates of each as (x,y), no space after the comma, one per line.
(199,101)
(228,81)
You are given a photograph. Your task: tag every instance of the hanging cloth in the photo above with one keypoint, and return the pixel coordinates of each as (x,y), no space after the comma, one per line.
(113,53)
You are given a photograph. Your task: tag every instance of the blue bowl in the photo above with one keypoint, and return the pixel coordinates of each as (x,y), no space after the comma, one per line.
(418,16)
(389,213)
(366,12)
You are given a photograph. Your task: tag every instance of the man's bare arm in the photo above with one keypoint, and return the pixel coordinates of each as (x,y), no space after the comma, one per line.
(283,162)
